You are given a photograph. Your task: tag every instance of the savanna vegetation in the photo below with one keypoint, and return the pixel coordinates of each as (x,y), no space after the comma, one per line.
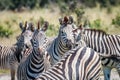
(99,14)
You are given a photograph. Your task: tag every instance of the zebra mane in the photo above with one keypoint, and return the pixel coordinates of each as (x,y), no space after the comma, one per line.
(97,30)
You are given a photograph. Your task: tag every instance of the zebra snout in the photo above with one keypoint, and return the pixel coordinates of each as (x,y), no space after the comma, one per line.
(69,42)
(28,45)
(41,49)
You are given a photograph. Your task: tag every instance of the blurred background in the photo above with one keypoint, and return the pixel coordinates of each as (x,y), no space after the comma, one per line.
(99,14)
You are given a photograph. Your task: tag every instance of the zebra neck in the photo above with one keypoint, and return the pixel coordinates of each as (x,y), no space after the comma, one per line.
(35,66)
(60,47)
(96,41)
(56,51)
(37,54)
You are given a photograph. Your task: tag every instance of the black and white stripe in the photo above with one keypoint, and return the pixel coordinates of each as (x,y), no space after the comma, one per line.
(101,42)
(78,64)
(11,56)
(63,42)
(105,44)
(34,64)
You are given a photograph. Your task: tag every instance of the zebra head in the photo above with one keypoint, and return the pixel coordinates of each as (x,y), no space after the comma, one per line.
(78,32)
(39,39)
(23,40)
(66,32)
(26,35)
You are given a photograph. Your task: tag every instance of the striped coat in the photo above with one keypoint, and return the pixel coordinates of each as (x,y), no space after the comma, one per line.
(78,64)
(105,44)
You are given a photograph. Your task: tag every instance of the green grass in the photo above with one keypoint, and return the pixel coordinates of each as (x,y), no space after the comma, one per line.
(4,71)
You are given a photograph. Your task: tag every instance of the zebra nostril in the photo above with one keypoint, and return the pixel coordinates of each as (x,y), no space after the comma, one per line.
(69,41)
(40,49)
(26,46)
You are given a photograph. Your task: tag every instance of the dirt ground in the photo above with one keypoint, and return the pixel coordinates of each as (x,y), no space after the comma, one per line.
(114,74)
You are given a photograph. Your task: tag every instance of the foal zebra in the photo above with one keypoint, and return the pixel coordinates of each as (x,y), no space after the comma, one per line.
(10,56)
(80,63)
(63,42)
(105,44)
(34,64)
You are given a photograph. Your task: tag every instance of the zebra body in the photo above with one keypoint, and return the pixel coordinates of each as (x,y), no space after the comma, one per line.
(77,64)
(104,44)
(5,53)
(34,64)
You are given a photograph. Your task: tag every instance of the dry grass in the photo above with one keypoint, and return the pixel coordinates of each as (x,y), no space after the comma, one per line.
(4,71)
(12,19)
(105,17)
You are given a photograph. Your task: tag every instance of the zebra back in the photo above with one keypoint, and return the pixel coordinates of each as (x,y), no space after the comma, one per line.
(107,45)
(77,64)
(100,41)
(5,53)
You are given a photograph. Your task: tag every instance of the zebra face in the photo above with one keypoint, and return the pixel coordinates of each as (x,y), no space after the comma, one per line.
(39,41)
(27,33)
(78,33)
(25,38)
(66,35)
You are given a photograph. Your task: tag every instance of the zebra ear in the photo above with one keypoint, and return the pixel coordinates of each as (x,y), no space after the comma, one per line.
(25,25)
(31,27)
(38,25)
(21,25)
(80,27)
(60,21)
(65,20)
(71,19)
(45,26)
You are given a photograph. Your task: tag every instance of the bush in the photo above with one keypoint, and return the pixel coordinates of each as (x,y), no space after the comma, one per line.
(96,24)
(18,4)
(5,32)
(79,13)
(52,30)
(116,21)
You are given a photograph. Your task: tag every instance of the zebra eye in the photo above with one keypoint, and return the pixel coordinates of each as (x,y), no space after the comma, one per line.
(62,32)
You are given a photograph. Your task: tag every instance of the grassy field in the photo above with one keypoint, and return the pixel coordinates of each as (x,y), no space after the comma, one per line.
(11,20)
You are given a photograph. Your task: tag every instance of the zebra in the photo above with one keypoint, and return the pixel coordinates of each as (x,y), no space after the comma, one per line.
(34,64)
(10,56)
(64,41)
(103,43)
(109,63)
(80,63)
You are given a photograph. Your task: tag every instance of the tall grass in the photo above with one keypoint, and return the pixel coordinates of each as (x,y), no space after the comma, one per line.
(97,17)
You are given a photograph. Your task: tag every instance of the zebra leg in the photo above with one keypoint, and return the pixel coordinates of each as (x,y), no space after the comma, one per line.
(118,69)
(12,74)
(106,72)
